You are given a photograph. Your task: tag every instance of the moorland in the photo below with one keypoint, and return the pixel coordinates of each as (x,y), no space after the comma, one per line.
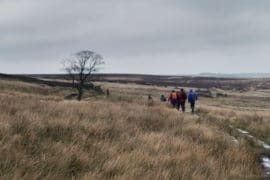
(47,134)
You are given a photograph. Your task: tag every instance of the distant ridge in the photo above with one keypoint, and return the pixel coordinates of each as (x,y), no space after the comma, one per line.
(236,75)
(204,80)
(29,79)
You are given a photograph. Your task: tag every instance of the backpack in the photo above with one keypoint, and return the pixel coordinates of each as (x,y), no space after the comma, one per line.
(174,95)
(184,95)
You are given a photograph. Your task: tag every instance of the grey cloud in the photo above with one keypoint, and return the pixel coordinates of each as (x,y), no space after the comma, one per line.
(210,31)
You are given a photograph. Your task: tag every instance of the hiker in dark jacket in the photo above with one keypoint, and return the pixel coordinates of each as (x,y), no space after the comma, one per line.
(163,98)
(192,98)
(178,100)
(182,100)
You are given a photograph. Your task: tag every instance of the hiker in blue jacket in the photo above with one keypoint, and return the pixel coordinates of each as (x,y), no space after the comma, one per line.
(192,98)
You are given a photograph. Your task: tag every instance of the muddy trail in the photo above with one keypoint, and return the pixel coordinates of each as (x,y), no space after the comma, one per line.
(264,159)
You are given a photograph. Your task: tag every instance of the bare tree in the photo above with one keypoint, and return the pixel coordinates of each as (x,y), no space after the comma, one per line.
(80,68)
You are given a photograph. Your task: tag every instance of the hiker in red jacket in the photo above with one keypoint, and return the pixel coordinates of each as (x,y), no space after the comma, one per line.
(182,100)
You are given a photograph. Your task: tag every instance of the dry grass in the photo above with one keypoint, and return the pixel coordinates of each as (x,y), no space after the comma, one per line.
(43,136)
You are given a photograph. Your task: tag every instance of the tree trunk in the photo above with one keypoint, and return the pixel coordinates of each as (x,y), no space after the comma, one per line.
(80,92)
(80,86)
(73,82)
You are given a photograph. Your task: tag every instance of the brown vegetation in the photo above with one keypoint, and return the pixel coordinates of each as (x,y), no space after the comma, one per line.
(42,135)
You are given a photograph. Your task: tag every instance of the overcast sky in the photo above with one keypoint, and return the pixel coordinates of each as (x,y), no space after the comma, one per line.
(137,36)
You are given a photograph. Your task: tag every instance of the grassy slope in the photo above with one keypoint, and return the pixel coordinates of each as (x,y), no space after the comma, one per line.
(44,136)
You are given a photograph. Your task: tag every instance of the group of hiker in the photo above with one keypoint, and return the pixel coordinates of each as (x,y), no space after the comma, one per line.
(178,99)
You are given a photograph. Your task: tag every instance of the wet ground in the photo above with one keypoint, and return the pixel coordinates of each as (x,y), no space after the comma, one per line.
(264,160)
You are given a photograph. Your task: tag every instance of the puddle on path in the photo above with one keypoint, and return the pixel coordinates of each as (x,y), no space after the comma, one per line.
(265,161)
(266,146)
(234,140)
(242,131)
